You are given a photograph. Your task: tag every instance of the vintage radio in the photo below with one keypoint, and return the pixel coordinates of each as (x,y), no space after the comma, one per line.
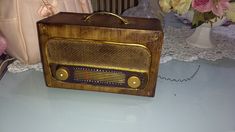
(101,52)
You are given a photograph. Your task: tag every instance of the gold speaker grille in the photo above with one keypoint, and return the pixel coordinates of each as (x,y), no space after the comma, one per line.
(97,53)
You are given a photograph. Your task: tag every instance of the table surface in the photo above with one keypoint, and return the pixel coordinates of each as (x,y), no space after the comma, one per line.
(204,104)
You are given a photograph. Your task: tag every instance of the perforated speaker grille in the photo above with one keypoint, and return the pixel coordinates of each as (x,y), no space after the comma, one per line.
(97,53)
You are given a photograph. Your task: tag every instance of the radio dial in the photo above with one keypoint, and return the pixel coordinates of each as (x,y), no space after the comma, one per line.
(62,74)
(134,82)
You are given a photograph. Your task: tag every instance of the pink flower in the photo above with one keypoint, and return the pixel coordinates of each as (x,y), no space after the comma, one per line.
(202,5)
(219,7)
(3,44)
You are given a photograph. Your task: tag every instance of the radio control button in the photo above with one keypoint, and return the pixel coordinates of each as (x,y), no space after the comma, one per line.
(134,82)
(62,74)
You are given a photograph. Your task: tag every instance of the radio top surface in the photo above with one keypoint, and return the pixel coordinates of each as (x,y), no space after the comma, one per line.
(103,20)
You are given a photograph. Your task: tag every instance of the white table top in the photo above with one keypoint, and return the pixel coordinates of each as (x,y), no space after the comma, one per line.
(204,104)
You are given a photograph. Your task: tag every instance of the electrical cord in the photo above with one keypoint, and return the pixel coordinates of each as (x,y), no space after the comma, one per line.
(180,80)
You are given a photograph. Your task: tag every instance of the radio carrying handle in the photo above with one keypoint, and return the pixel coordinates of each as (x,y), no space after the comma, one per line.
(106,13)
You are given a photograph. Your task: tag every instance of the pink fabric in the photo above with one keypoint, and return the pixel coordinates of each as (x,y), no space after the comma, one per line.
(86,6)
(3,44)
(47,9)
(18,23)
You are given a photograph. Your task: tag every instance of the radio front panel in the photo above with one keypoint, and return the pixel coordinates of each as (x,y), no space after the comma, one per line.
(113,56)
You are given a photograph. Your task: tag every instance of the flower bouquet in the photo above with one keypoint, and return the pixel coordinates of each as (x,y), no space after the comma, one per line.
(205,11)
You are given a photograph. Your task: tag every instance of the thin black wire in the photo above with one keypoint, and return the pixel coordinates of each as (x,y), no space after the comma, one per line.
(180,80)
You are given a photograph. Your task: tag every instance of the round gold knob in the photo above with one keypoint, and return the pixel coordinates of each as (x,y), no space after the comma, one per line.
(134,82)
(62,74)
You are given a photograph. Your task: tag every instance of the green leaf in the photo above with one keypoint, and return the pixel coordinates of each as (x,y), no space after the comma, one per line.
(209,15)
(200,18)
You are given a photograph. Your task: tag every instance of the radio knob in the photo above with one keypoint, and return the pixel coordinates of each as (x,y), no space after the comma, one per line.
(62,74)
(134,82)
